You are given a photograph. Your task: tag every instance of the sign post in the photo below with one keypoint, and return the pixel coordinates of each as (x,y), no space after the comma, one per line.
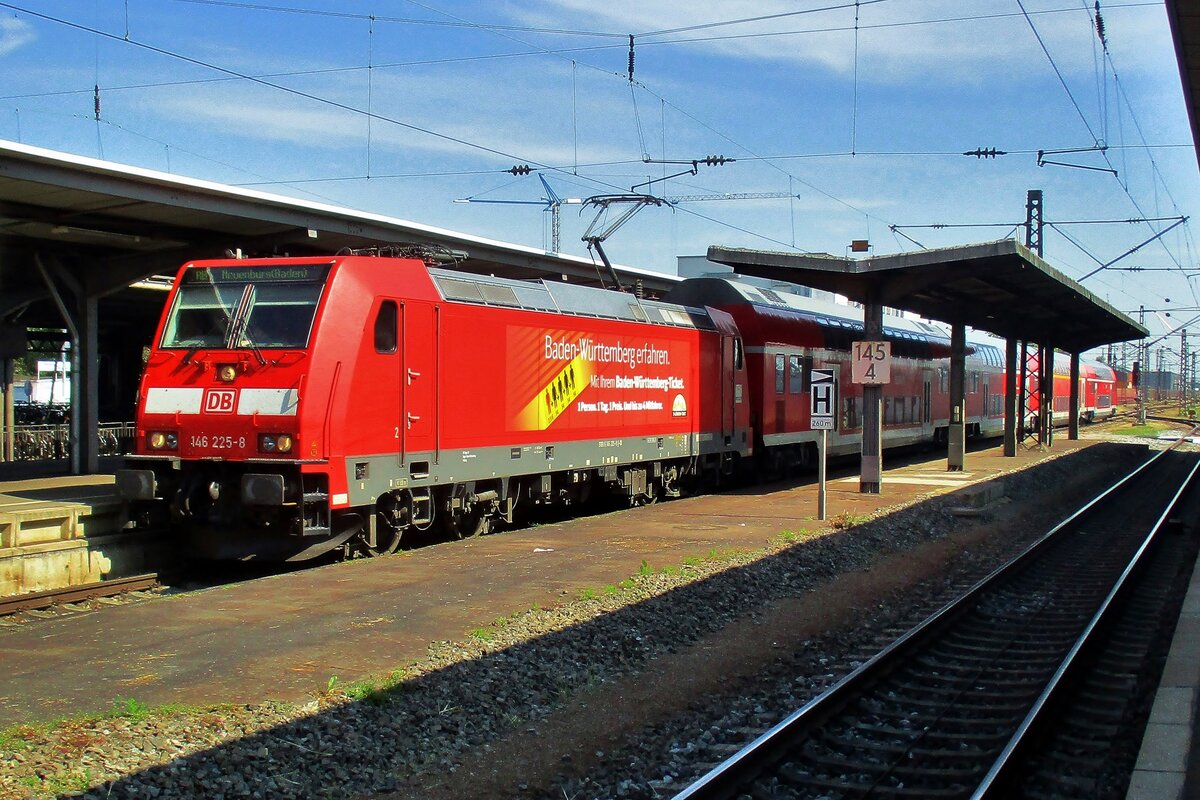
(822,402)
(871,366)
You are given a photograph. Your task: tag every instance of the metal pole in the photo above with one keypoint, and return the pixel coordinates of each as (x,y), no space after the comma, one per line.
(1022,391)
(9,411)
(1192,373)
(1011,414)
(821,476)
(1161,369)
(1045,399)
(1073,405)
(1033,220)
(1182,367)
(1141,387)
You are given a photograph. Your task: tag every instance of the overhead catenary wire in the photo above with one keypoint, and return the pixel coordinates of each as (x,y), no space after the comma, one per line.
(261,81)
(317,98)
(534,52)
(697,121)
(663,101)
(1098,141)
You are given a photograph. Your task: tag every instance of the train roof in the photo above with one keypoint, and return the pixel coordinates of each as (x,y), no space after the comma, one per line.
(566,298)
(839,324)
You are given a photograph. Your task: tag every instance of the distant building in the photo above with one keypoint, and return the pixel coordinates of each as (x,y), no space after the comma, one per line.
(51,387)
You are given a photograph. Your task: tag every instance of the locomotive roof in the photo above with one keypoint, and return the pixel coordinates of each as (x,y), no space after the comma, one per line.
(566,298)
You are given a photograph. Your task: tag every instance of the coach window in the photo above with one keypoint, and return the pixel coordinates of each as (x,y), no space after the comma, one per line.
(737,353)
(795,375)
(386,337)
(779,372)
(850,417)
(974,383)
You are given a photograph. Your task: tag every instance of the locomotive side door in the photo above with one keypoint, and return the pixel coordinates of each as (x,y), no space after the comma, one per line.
(419,323)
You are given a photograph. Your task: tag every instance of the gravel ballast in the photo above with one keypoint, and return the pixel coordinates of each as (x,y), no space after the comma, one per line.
(629,691)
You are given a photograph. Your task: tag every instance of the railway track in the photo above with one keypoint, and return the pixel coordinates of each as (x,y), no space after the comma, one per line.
(76,594)
(958,707)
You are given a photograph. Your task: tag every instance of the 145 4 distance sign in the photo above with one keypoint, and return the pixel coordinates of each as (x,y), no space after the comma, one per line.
(872,363)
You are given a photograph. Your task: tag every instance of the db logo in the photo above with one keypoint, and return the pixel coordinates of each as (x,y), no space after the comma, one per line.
(219,401)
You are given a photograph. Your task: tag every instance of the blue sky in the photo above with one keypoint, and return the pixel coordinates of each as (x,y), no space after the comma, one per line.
(402,107)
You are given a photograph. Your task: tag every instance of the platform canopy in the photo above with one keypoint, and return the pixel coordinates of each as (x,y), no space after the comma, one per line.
(1001,287)
(108,225)
(1185,30)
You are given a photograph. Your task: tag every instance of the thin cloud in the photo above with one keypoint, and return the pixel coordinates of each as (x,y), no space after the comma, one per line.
(14,34)
(896,40)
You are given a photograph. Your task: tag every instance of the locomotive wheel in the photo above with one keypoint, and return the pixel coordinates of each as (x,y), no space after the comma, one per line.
(391,520)
(387,541)
(468,525)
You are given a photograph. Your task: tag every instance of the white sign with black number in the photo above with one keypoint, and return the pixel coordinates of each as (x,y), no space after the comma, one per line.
(871,363)
(822,400)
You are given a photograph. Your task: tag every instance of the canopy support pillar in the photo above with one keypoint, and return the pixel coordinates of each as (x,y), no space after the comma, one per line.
(956,455)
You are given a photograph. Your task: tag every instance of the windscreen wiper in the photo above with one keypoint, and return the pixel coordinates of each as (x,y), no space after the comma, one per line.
(240,325)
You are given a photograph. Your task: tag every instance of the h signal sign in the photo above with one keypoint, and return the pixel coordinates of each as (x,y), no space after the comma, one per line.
(822,400)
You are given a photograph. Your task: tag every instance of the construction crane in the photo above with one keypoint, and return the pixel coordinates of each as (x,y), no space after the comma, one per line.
(551,201)
(692,198)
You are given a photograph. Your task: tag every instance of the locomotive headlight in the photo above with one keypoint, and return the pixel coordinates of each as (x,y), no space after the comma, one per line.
(227,372)
(163,440)
(275,442)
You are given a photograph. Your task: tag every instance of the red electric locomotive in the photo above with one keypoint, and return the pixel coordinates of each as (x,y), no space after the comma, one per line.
(292,406)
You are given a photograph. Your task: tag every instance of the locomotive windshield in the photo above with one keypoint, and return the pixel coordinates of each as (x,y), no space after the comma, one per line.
(251,307)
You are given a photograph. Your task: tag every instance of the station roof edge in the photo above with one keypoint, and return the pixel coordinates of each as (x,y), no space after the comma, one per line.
(999,286)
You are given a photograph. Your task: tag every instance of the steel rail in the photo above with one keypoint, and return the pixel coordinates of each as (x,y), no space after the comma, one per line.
(74,594)
(999,775)
(724,779)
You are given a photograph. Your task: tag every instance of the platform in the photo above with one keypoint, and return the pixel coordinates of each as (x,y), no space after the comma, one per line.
(66,531)
(284,636)
(1168,765)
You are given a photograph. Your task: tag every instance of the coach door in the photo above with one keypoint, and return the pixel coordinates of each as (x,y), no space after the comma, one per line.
(729,367)
(419,324)
(927,401)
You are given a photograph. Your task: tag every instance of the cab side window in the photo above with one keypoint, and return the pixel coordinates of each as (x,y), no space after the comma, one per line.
(386,328)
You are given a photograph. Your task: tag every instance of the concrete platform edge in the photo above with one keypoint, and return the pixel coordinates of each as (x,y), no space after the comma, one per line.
(1172,738)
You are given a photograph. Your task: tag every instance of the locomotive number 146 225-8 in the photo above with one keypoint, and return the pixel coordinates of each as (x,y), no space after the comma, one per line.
(217,442)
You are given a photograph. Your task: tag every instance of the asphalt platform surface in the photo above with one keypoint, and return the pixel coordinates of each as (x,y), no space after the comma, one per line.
(282,637)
